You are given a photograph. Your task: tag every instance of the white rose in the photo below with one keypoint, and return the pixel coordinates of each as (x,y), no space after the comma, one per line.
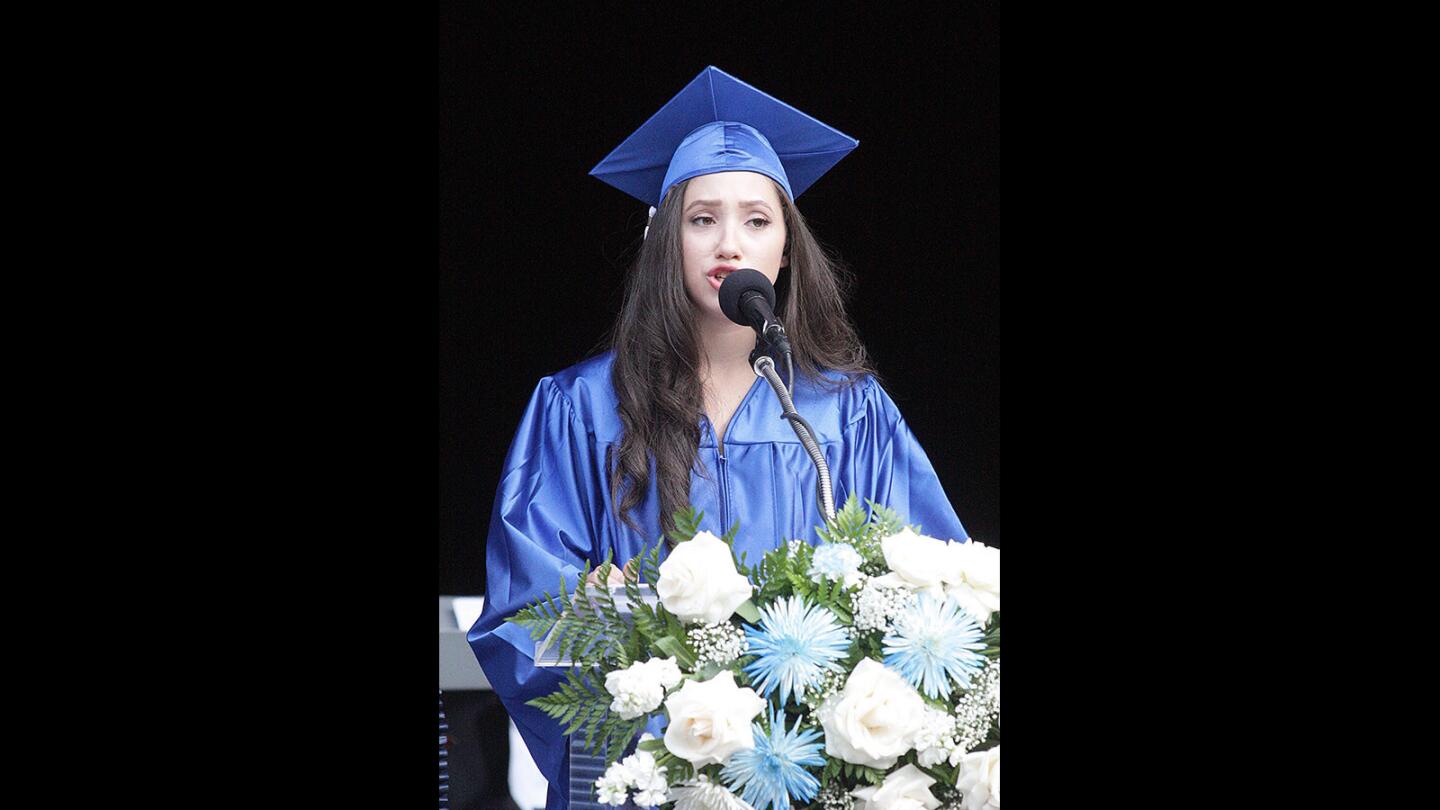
(710,721)
(906,789)
(978,779)
(873,720)
(914,559)
(971,573)
(698,581)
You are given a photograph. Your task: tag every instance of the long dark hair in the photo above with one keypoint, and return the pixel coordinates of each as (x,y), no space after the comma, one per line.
(656,370)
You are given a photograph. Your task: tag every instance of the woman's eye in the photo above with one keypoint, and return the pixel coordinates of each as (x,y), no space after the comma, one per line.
(762,222)
(707,220)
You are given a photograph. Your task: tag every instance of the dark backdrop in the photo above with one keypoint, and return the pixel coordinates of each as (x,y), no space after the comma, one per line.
(532,250)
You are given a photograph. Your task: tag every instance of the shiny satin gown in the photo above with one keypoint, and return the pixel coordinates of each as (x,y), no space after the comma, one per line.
(553,511)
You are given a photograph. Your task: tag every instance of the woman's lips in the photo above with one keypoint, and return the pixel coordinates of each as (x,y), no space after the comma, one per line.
(717,275)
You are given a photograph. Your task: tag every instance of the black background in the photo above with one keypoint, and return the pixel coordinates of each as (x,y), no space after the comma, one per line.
(332,466)
(533,251)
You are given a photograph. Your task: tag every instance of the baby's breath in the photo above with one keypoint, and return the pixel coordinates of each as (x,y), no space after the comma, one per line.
(834,797)
(875,606)
(977,710)
(716,643)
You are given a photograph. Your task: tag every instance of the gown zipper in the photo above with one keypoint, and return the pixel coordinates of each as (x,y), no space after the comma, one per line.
(720,461)
(724,485)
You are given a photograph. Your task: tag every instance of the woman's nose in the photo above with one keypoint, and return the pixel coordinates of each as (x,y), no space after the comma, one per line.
(729,247)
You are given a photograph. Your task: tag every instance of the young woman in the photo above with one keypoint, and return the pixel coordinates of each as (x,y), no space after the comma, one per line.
(672,414)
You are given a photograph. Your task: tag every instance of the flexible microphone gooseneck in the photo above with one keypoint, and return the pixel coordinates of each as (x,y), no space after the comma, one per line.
(748,298)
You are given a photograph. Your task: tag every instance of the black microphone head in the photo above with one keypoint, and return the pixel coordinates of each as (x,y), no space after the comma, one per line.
(736,285)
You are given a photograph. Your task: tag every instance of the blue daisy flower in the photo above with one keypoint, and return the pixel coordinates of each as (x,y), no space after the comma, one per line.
(773,772)
(796,642)
(933,642)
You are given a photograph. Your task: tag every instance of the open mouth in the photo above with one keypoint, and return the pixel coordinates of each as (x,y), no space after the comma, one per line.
(718,276)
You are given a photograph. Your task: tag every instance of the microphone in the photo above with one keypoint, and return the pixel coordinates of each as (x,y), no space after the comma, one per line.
(748,298)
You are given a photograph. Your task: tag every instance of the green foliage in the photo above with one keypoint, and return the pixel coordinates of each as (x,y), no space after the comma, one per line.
(593,633)
(586,626)
(774,572)
(616,737)
(687,524)
(847,526)
(992,637)
(671,647)
(866,645)
(577,703)
(651,623)
(835,597)
(886,521)
(853,774)
(942,773)
(676,768)
(852,526)
(748,611)
(541,616)
(584,707)
(709,670)
(873,776)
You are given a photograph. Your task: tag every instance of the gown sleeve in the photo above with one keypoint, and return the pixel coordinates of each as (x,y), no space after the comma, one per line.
(891,464)
(540,530)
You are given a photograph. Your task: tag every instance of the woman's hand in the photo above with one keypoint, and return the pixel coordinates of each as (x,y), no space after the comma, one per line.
(616,577)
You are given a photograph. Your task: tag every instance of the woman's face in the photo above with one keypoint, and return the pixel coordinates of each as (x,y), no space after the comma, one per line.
(729,220)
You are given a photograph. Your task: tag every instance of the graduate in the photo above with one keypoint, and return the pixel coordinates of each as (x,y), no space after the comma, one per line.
(672,413)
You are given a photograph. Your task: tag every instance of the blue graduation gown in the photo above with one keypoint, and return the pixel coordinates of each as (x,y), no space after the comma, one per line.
(553,510)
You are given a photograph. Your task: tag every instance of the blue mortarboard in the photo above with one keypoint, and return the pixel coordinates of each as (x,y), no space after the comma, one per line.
(721,124)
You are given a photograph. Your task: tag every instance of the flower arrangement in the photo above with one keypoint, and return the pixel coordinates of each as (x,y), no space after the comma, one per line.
(859,674)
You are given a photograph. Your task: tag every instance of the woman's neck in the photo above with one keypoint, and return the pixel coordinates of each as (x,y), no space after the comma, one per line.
(725,350)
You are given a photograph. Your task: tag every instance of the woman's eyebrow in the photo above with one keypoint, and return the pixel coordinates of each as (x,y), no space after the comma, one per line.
(716,203)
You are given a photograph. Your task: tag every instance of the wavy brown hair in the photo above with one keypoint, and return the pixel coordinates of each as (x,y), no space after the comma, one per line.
(656,370)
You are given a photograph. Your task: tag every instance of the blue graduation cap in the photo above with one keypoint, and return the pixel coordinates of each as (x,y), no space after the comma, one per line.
(721,124)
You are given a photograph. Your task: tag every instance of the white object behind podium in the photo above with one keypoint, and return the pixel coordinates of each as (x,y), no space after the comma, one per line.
(467,610)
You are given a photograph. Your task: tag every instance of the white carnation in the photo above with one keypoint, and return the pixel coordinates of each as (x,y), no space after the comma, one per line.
(665,671)
(640,687)
(935,741)
(610,790)
(836,561)
(648,779)
(634,691)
